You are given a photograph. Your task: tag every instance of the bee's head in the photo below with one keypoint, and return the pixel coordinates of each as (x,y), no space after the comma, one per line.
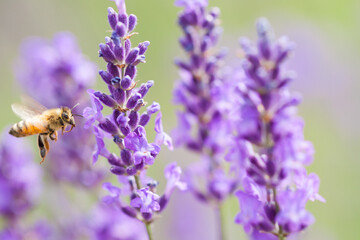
(67,116)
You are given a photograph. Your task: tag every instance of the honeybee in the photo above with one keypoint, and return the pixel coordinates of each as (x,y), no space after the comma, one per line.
(37,119)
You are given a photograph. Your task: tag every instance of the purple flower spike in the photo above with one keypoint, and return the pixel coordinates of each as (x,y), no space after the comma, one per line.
(125,124)
(205,94)
(276,184)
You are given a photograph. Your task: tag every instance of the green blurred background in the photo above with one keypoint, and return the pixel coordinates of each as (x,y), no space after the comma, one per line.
(326,60)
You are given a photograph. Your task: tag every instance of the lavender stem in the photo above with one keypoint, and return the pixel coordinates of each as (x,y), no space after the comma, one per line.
(137,181)
(221,221)
(148,230)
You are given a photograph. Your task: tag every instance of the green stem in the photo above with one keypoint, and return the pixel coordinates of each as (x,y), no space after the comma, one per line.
(148,230)
(137,181)
(221,221)
(282,237)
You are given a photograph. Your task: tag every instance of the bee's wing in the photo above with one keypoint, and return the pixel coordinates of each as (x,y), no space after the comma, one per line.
(30,109)
(33,104)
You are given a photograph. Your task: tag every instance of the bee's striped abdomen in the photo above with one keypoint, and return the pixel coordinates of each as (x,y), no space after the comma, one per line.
(25,128)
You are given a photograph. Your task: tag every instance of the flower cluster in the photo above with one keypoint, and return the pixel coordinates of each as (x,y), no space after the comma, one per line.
(20,185)
(276,184)
(57,74)
(126,124)
(203,93)
(103,221)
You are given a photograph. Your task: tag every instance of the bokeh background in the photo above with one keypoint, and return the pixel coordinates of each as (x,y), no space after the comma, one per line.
(326,60)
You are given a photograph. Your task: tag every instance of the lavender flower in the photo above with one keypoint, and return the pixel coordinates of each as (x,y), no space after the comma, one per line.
(104,221)
(57,74)
(276,184)
(126,124)
(109,222)
(19,178)
(204,93)
(20,185)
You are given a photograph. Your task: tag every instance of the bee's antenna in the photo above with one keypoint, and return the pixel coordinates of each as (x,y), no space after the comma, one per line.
(75,114)
(75,106)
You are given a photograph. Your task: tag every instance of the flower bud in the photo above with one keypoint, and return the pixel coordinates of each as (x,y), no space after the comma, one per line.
(119,53)
(106,53)
(131,57)
(133,101)
(108,126)
(106,99)
(117,170)
(112,69)
(119,95)
(123,18)
(130,71)
(120,29)
(143,47)
(112,17)
(126,83)
(105,76)
(127,45)
(126,157)
(144,88)
(133,119)
(132,22)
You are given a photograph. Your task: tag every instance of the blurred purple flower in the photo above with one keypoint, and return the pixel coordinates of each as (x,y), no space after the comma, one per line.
(205,93)
(20,178)
(161,136)
(108,222)
(276,185)
(146,201)
(57,74)
(173,175)
(292,215)
(20,186)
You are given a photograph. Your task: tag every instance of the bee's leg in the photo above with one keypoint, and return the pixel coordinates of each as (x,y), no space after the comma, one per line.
(62,130)
(72,126)
(43,146)
(53,136)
